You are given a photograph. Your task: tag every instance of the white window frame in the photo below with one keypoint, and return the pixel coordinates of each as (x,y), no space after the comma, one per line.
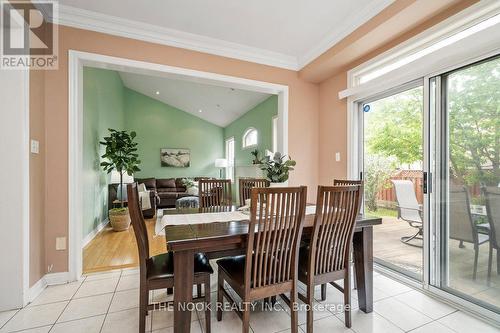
(245,134)
(274,124)
(230,159)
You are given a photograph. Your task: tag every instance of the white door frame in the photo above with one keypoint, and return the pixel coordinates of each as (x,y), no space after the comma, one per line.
(14,203)
(77,60)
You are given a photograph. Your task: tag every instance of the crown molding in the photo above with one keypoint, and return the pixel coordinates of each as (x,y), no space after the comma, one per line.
(89,20)
(345,28)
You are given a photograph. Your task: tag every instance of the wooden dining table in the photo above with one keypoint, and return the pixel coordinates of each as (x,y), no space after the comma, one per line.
(222,239)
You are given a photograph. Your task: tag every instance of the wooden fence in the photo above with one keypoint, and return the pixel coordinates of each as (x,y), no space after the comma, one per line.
(387,196)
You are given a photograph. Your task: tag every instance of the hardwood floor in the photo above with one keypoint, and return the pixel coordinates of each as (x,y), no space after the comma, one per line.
(112,250)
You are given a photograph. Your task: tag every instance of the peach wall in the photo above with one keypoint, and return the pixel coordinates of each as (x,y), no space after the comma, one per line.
(37,178)
(332,129)
(303,124)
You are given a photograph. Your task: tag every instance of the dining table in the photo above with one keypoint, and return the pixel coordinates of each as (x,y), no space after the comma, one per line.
(222,239)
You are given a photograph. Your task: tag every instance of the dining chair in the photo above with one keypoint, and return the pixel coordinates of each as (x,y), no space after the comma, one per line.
(346,182)
(326,259)
(269,267)
(462,226)
(215,195)
(245,186)
(492,199)
(157,272)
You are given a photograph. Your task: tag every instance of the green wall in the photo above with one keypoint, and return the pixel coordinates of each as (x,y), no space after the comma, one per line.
(107,103)
(159,125)
(103,105)
(260,117)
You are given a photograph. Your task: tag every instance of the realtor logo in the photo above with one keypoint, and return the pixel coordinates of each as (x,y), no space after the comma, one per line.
(29,39)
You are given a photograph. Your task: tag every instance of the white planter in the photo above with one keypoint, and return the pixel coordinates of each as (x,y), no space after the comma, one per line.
(278,184)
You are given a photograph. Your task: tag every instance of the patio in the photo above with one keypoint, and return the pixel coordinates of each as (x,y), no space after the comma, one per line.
(388,247)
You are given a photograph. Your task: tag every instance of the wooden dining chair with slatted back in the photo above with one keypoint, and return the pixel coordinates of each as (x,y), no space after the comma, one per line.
(269,267)
(341,182)
(157,272)
(245,186)
(215,195)
(326,259)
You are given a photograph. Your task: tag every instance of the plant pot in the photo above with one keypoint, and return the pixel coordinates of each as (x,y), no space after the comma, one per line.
(283,184)
(119,219)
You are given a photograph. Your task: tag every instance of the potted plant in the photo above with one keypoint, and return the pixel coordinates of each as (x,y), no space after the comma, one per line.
(121,156)
(256,159)
(277,168)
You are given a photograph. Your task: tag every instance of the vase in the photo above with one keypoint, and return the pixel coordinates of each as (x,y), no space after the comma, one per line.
(120,220)
(283,184)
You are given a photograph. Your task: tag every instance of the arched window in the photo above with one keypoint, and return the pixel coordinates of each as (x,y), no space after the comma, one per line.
(250,137)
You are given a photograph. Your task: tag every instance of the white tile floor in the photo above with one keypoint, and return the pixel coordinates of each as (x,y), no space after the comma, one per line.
(108,302)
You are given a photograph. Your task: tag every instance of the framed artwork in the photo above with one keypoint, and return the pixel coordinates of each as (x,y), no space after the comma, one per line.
(175,157)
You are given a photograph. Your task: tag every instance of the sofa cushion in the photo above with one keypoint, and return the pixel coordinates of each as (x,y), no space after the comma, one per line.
(167,182)
(167,189)
(149,182)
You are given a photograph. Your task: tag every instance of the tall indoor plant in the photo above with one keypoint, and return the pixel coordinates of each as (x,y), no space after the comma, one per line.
(121,156)
(277,168)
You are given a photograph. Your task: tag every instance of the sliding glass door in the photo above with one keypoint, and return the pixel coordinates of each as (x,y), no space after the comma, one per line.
(392,170)
(467,169)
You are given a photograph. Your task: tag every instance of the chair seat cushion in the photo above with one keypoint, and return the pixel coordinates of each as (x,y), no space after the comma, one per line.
(162,265)
(234,267)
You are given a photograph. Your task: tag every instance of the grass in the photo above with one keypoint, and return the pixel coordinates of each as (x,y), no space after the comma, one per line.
(383,212)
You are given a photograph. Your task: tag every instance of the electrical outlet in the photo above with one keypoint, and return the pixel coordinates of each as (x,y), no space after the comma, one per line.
(35,146)
(60,243)
(49,268)
(337,157)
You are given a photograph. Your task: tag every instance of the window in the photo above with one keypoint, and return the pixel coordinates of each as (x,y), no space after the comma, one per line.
(250,138)
(275,134)
(230,159)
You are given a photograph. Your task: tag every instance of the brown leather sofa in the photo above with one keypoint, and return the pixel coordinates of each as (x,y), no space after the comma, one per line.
(167,189)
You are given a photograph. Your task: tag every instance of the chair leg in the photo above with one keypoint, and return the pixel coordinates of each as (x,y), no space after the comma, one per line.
(246,317)
(310,312)
(198,290)
(220,299)
(498,261)
(207,305)
(347,298)
(323,291)
(293,309)
(476,254)
(143,306)
(490,263)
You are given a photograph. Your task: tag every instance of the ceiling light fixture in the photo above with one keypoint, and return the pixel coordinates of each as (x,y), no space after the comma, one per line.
(200,111)
(157,92)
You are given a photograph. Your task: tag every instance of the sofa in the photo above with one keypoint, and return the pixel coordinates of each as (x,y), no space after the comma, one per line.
(168,190)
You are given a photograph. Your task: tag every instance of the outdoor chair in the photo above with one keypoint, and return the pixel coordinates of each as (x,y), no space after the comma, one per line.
(409,209)
(461,224)
(492,197)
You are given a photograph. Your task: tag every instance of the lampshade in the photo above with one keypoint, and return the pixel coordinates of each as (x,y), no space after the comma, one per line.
(221,163)
(115,178)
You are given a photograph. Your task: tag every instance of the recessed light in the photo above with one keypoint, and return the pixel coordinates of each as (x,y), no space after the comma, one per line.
(200,111)
(157,92)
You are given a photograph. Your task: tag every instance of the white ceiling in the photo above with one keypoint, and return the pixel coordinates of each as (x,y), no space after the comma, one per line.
(219,105)
(285,33)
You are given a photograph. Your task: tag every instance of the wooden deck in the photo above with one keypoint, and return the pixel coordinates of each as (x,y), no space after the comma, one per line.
(388,248)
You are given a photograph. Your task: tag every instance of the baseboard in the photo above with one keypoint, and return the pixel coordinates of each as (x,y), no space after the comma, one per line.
(94,232)
(36,289)
(56,278)
(47,280)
